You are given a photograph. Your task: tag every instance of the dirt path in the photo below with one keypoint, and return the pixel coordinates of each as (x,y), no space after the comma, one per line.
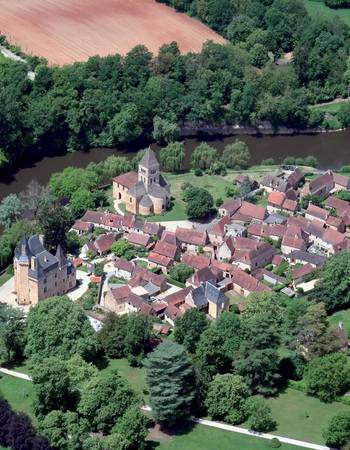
(332,102)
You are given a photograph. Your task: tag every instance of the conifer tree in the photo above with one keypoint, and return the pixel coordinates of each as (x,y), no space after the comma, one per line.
(170,378)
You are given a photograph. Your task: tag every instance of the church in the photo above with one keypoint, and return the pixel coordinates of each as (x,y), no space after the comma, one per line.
(145,192)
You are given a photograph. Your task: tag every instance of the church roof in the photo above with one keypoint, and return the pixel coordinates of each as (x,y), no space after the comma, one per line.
(155,190)
(138,190)
(149,159)
(146,201)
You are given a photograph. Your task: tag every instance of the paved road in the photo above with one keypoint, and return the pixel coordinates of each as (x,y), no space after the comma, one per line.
(13,373)
(80,290)
(210,423)
(224,426)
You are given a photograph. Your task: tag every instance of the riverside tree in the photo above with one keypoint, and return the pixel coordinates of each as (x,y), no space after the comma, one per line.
(170,378)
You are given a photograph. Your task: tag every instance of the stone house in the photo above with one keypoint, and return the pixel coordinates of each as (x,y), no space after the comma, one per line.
(124,268)
(146,192)
(191,240)
(39,274)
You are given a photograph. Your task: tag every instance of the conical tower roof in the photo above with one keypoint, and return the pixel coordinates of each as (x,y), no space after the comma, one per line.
(149,159)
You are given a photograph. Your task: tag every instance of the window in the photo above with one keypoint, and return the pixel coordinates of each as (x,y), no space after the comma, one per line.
(45,280)
(45,289)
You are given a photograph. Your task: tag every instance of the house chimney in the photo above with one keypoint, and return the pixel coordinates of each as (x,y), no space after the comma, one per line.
(41,238)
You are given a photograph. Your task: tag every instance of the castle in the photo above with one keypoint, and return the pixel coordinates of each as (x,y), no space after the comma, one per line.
(39,274)
(146,192)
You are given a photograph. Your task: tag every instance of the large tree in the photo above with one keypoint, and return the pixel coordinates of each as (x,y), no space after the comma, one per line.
(11,209)
(236,155)
(165,130)
(204,156)
(338,432)
(226,398)
(58,327)
(12,333)
(200,202)
(334,286)
(169,375)
(181,272)
(138,334)
(54,222)
(52,386)
(104,400)
(172,156)
(328,376)
(112,335)
(189,327)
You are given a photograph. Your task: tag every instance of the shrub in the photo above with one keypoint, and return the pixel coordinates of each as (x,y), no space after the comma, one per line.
(219,201)
(268,162)
(289,161)
(275,443)
(198,172)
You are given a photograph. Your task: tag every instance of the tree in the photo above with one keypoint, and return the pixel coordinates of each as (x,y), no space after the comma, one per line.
(124,127)
(189,328)
(343,115)
(52,386)
(236,155)
(267,303)
(172,156)
(338,432)
(334,286)
(245,187)
(310,198)
(64,184)
(104,400)
(240,28)
(315,338)
(260,417)
(138,334)
(81,201)
(199,201)
(164,130)
(226,398)
(58,327)
(311,161)
(112,335)
(258,55)
(258,360)
(204,156)
(79,371)
(36,197)
(12,333)
(133,427)
(64,430)
(11,209)
(121,247)
(181,272)
(54,222)
(328,376)
(169,375)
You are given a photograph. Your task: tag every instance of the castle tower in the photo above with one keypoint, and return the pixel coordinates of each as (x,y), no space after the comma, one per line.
(21,264)
(149,169)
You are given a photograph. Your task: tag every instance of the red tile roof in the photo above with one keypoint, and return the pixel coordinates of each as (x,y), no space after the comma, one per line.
(128,179)
(160,260)
(333,237)
(123,264)
(341,180)
(231,206)
(196,261)
(112,220)
(165,249)
(323,181)
(104,242)
(317,212)
(276,198)
(120,292)
(303,271)
(247,282)
(177,297)
(218,227)
(190,236)
(80,225)
(290,205)
(139,239)
(93,217)
(252,211)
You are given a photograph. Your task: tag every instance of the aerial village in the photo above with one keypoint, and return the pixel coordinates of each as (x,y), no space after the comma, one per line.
(247,248)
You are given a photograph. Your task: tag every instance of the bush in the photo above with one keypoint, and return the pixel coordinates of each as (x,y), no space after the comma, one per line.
(198,172)
(260,417)
(345,169)
(275,443)
(289,161)
(268,162)
(135,361)
(219,201)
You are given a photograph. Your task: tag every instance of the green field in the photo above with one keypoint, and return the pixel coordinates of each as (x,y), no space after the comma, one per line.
(302,417)
(134,375)
(317,8)
(341,316)
(331,108)
(201,437)
(19,393)
(215,184)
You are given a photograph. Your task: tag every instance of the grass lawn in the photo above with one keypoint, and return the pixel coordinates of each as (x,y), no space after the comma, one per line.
(332,108)
(141,263)
(134,375)
(318,8)
(19,393)
(341,316)
(5,277)
(302,417)
(201,437)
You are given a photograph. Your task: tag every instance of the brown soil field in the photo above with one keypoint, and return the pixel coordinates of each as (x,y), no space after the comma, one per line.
(64,31)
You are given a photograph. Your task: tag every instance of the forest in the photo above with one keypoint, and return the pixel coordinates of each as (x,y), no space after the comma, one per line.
(118,100)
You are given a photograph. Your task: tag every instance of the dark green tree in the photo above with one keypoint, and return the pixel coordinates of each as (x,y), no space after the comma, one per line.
(338,432)
(172,156)
(181,272)
(260,416)
(12,333)
(138,334)
(189,328)
(54,222)
(58,327)
(112,335)
(169,375)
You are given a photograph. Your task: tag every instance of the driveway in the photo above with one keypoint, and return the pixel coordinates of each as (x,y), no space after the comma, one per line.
(8,296)
(80,290)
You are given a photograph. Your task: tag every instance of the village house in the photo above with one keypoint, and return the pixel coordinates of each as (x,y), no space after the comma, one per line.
(39,274)
(123,268)
(248,212)
(104,242)
(244,284)
(269,277)
(262,230)
(146,192)
(191,240)
(206,274)
(250,254)
(196,261)
(81,227)
(300,257)
(278,202)
(314,212)
(341,182)
(230,207)
(115,299)
(294,239)
(209,299)
(299,275)
(217,230)
(139,240)
(320,186)
(226,250)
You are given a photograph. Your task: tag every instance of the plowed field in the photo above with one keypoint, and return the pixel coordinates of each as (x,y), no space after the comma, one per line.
(64,31)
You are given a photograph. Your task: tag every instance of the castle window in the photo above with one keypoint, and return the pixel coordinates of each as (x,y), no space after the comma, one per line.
(45,289)
(45,280)
(130,200)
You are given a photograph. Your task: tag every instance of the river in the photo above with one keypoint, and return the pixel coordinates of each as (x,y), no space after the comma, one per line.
(331,149)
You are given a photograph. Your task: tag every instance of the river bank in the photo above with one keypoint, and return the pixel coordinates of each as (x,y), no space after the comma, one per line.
(331,150)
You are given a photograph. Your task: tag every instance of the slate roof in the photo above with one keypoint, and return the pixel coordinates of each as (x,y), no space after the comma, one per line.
(316,260)
(149,159)
(146,202)
(198,297)
(138,190)
(214,295)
